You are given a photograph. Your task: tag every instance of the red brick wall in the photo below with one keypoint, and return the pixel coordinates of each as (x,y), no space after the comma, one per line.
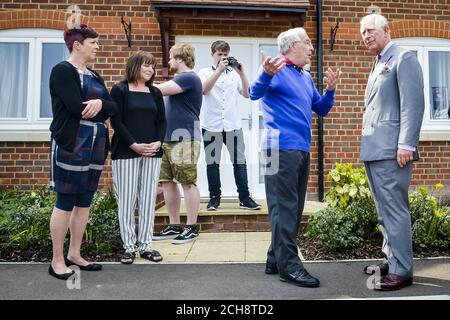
(26,163)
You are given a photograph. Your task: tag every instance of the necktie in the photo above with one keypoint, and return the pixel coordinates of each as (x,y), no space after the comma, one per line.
(375,63)
(378,59)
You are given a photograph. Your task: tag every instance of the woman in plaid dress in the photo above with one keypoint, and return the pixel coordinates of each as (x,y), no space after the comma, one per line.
(80,142)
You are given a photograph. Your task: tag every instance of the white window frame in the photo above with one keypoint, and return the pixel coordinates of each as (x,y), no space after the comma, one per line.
(432,130)
(32,127)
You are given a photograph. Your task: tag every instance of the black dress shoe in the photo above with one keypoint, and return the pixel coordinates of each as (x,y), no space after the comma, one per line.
(271,268)
(301,278)
(392,282)
(89,267)
(63,276)
(383,266)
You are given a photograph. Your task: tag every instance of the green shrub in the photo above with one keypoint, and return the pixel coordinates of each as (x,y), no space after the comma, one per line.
(103,230)
(429,219)
(364,217)
(333,229)
(351,216)
(348,184)
(25,217)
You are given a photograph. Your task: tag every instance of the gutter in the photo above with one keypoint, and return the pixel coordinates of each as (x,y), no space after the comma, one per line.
(320,170)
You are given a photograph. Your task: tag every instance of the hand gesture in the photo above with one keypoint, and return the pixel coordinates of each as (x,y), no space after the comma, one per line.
(331,78)
(271,65)
(93,107)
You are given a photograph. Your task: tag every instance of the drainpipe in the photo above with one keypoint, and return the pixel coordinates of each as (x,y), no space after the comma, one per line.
(320,89)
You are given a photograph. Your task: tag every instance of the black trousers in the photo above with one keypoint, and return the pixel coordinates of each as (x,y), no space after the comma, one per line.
(286,179)
(234,141)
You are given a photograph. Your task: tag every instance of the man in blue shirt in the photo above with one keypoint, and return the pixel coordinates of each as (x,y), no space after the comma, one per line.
(288,97)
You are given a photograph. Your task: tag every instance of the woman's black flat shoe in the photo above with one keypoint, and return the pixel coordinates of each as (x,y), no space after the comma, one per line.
(89,267)
(63,276)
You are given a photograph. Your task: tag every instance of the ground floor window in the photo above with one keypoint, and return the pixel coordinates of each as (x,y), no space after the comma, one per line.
(27,57)
(434,57)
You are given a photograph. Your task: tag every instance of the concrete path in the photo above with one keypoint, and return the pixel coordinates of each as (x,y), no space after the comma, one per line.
(216,247)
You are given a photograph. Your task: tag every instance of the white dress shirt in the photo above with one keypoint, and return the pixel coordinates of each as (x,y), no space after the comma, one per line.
(220,110)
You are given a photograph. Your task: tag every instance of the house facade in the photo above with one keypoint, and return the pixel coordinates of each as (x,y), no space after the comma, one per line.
(31,43)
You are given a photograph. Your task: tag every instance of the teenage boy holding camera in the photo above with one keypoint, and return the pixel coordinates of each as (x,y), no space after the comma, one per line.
(221,123)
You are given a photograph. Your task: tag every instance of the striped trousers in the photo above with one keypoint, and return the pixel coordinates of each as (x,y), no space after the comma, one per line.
(135,185)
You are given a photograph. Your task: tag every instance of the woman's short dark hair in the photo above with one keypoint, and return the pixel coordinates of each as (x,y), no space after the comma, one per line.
(134,63)
(79,33)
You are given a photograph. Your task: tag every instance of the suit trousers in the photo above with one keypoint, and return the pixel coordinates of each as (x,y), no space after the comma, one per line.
(389,185)
(285,194)
(135,185)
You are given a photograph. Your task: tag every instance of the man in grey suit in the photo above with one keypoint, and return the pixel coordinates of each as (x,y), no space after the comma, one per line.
(394,106)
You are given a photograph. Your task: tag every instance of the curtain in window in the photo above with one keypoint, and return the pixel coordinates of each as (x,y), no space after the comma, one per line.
(439,75)
(52,54)
(13,80)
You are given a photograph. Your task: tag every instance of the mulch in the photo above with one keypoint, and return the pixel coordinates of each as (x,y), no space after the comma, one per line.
(370,249)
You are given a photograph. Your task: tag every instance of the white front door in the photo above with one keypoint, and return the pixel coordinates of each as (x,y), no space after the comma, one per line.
(247,51)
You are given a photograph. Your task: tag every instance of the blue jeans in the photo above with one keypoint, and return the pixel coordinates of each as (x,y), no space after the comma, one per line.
(234,141)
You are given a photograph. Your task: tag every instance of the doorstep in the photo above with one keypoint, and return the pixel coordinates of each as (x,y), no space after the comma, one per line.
(230,218)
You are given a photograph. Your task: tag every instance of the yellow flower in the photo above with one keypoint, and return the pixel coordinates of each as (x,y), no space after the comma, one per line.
(438,186)
(439,213)
(33,194)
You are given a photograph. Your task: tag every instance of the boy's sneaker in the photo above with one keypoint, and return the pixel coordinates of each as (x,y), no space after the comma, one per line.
(169,232)
(189,234)
(213,204)
(249,204)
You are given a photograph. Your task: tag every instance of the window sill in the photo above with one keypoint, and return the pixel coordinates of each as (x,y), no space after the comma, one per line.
(25,135)
(44,135)
(435,136)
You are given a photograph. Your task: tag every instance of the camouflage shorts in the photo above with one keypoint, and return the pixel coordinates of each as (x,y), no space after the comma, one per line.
(179,162)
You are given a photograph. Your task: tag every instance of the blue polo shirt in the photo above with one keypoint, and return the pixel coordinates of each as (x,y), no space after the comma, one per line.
(288,99)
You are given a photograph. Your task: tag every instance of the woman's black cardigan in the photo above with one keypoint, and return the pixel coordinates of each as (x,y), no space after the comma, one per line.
(67,104)
(122,137)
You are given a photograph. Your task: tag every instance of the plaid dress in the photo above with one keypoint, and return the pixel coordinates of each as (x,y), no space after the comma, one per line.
(79,171)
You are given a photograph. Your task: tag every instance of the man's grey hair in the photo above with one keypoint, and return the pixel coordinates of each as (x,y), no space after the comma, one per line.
(379,21)
(285,38)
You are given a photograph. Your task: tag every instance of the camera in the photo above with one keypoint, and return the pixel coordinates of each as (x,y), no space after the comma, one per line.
(232,62)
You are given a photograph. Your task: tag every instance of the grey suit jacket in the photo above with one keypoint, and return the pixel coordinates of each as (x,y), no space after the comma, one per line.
(394,105)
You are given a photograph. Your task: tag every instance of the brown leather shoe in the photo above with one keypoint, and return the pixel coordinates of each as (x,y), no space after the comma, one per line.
(393,282)
(383,266)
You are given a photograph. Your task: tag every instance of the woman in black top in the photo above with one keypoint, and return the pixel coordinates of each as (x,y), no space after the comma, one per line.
(139,129)
(80,105)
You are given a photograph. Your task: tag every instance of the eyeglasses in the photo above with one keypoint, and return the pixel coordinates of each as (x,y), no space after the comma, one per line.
(79,26)
(307,42)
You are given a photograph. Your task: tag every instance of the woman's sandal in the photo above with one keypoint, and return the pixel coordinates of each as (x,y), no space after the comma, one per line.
(152,255)
(127,257)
